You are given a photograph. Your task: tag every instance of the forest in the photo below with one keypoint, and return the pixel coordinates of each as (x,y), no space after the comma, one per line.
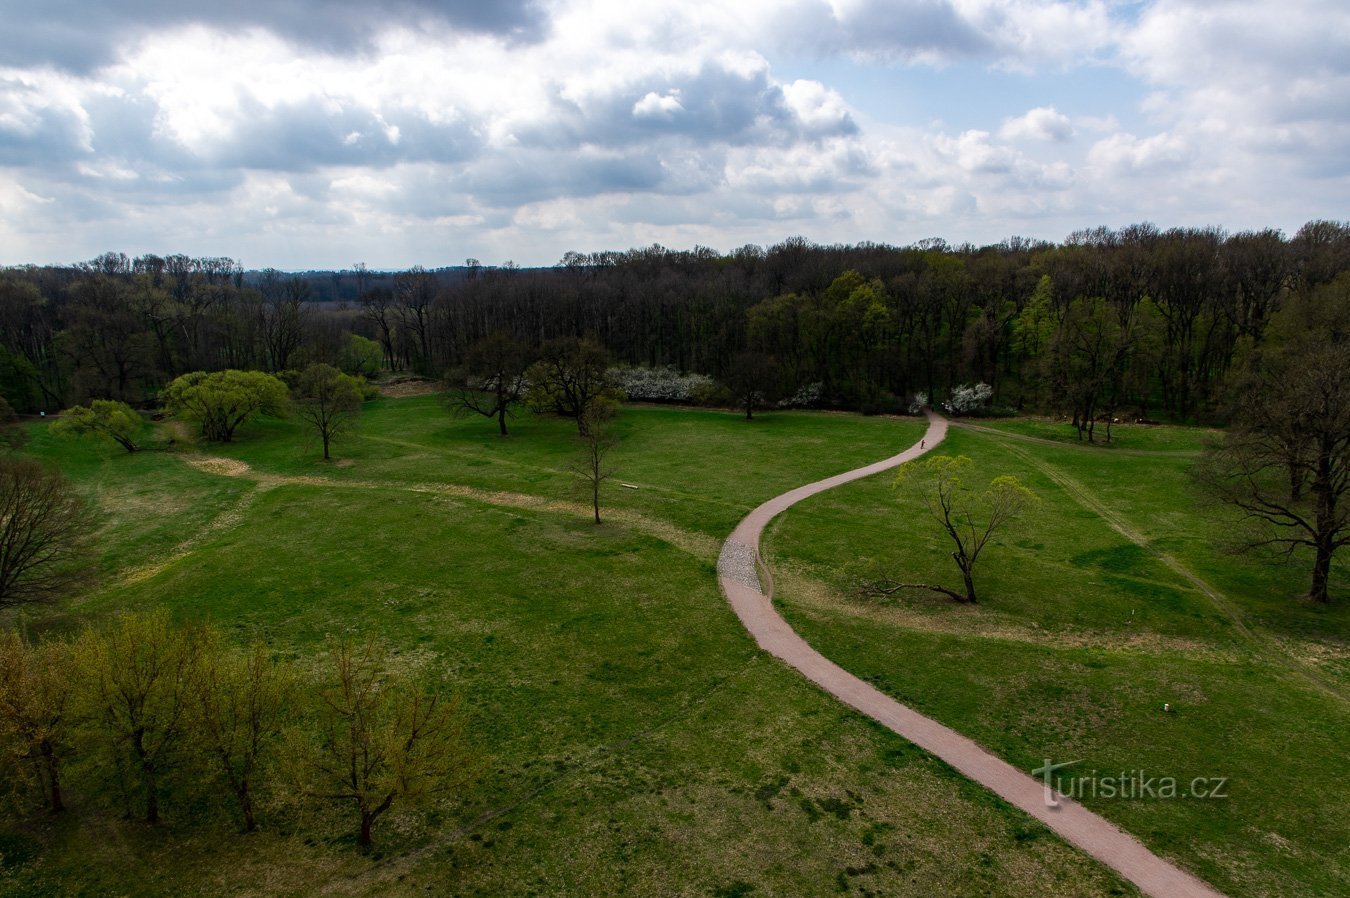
(1136,323)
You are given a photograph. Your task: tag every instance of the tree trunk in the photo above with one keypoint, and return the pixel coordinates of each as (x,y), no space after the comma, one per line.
(367,819)
(151,801)
(325,445)
(970,584)
(53,777)
(1321,572)
(246,807)
(595,497)
(501,419)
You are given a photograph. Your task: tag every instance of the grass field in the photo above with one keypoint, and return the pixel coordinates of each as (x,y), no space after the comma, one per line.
(631,739)
(1091,618)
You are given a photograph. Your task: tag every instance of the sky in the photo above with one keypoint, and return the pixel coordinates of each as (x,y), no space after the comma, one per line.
(319,133)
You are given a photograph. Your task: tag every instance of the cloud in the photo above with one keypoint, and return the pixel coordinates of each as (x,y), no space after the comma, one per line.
(1041,123)
(324,133)
(81,36)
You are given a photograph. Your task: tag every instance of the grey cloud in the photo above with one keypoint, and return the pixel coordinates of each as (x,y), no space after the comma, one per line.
(82,35)
(888,30)
(525,177)
(715,105)
(303,137)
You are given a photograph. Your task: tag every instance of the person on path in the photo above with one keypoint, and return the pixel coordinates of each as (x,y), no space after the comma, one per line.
(923,444)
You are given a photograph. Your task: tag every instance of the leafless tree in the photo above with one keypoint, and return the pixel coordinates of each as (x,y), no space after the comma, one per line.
(43,522)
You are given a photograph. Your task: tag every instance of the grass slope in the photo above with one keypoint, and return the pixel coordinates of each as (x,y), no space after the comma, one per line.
(633,740)
(1083,634)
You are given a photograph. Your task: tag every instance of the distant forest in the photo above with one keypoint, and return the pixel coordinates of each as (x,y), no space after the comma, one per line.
(1136,322)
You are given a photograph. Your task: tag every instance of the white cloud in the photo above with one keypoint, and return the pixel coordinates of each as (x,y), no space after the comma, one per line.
(1041,123)
(655,105)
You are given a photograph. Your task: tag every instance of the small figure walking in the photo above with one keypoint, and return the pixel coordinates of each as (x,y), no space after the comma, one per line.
(923,444)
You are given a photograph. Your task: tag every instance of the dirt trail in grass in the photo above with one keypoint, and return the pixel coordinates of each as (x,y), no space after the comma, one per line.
(697,544)
(1064,444)
(1265,646)
(737,574)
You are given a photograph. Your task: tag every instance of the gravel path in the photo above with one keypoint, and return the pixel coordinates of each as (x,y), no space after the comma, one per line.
(1076,824)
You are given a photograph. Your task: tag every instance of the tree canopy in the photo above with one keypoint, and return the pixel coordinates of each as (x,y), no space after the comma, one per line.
(220,401)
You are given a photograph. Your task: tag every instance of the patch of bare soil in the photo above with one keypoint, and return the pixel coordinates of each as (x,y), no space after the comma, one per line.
(403,387)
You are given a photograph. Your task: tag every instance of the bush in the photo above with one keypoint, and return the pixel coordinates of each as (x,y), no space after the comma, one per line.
(662,384)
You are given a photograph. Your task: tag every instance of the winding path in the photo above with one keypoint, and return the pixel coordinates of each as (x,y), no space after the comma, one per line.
(738,576)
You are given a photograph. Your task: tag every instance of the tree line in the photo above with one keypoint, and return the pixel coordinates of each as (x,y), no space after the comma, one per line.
(152,718)
(1137,321)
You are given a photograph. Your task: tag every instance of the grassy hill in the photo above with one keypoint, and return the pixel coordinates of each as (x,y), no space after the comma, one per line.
(631,739)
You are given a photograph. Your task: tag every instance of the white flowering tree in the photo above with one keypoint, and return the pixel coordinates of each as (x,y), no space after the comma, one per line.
(967,398)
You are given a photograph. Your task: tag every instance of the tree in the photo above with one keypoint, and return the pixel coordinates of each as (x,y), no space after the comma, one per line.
(494,379)
(138,689)
(43,527)
(35,690)
(380,740)
(598,437)
(13,435)
(970,518)
(753,379)
(328,399)
(360,357)
(283,311)
(103,419)
(966,399)
(220,401)
(242,704)
(1285,462)
(570,375)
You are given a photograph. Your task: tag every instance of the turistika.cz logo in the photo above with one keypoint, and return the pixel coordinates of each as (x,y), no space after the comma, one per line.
(1125,784)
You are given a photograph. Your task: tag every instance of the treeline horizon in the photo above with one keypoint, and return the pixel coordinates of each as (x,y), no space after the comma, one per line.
(1137,321)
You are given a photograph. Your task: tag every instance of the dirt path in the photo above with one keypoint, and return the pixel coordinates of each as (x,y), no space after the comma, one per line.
(737,574)
(1265,646)
(1065,444)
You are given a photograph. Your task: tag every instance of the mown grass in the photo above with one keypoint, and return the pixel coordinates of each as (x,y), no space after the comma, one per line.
(1082,635)
(631,738)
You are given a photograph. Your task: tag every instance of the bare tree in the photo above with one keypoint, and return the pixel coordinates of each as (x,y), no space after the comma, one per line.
(493,377)
(570,375)
(43,522)
(1285,462)
(598,437)
(753,379)
(969,517)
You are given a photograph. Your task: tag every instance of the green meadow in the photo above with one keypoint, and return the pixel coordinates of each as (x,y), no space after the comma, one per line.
(628,736)
(1116,595)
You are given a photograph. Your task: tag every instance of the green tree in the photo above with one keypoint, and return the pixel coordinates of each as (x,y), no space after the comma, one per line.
(380,740)
(969,517)
(244,699)
(138,693)
(360,357)
(221,401)
(35,727)
(43,528)
(327,399)
(103,419)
